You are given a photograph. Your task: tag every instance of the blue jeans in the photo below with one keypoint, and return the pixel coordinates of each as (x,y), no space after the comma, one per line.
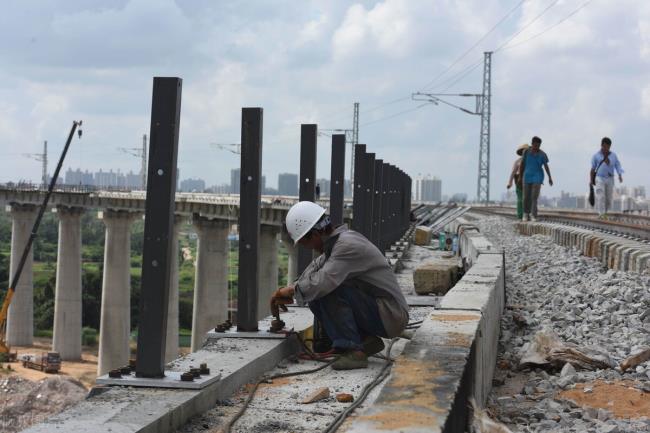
(348,315)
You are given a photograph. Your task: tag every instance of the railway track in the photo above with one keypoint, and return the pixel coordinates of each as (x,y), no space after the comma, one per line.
(628,226)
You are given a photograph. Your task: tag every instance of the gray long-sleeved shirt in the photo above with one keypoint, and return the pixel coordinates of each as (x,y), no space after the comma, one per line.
(355,260)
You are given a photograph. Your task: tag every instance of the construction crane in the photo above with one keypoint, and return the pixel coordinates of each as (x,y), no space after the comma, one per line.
(230,147)
(142,154)
(41,157)
(5,350)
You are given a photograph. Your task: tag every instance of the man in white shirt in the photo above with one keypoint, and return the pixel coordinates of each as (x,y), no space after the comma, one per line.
(603,165)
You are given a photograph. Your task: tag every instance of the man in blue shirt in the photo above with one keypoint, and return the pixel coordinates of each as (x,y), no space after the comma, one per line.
(532,174)
(603,165)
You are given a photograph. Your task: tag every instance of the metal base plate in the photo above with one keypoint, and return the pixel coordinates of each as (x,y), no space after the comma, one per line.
(296,319)
(172,379)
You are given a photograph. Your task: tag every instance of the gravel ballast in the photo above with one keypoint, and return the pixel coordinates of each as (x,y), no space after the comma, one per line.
(554,289)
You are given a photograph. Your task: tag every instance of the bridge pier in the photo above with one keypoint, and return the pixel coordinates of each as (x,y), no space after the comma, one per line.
(211,278)
(20,318)
(171,345)
(292,262)
(67,299)
(268,268)
(115,321)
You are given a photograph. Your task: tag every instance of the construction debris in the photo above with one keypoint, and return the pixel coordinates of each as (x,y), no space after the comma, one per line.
(422,235)
(483,423)
(437,275)
(344,398)
(636,359)
(318,395)
(546,349)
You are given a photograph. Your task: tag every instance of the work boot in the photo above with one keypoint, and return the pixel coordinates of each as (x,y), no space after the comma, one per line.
(372,345)
(351,360)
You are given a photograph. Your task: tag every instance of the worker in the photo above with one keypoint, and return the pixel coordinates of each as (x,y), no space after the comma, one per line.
(350,287)
(603,165)
(530,170)
(514,177)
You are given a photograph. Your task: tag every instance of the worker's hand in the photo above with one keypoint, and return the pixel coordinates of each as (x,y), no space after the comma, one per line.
(509,185)
(620,178)
(550,180)
(280,298)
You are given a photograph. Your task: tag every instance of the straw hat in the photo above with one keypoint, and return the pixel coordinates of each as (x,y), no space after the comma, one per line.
(521,149)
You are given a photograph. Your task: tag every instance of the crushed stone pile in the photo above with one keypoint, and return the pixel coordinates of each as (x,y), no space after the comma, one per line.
(580,320)
(23,402)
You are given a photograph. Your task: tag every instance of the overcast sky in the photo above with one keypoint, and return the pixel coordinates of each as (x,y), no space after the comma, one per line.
(309,61)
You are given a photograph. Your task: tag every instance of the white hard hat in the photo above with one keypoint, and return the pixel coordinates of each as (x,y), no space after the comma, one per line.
(301,218)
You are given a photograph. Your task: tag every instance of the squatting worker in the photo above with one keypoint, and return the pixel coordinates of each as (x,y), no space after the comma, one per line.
(530,169)
(350,287)
(514,177)
(603,165)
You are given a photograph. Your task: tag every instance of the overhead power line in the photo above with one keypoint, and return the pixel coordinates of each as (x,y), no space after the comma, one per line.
(582,6)
(395,114)
(528,24)
(476,44)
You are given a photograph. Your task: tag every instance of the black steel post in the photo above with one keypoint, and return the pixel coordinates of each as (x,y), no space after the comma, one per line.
(376,203)
(385,206)
(249,218)
(159,222)
(337,179)
(308,135)
(368,191)
(358,201)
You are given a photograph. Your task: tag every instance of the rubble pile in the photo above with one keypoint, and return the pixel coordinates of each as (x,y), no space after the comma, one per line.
(23,402)
(568,325)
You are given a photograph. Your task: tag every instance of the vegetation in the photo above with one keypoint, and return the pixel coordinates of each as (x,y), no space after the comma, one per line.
(44,278)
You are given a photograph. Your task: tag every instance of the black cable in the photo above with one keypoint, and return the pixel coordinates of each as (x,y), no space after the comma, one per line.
(383,373)
(228,427)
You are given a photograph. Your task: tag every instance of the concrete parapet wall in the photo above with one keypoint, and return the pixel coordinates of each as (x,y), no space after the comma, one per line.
(614,252)
(452,356)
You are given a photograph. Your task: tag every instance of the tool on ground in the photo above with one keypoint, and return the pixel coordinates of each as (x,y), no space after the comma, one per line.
(5,350)
(279,303)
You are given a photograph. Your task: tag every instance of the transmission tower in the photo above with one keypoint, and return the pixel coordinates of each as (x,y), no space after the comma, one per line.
(41,157)
(483,187)
(355,141)
(484,109)
(143,164)
(142,154)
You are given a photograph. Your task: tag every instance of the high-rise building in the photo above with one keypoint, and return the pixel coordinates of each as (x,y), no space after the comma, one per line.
(288,184)
(192,185)
(430,189)
(235,176)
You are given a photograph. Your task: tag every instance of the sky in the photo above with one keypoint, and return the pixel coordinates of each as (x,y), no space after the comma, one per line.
(569,71)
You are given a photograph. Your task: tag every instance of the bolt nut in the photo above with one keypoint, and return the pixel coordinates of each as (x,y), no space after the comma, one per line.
(203,368)
(187,377)
(132,363)
(196,372)
(115,374)
(125,370)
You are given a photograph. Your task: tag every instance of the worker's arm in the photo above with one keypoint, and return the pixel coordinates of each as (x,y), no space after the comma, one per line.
(347,259)
(513,173)
(619,169)
(594,166)
(548,170)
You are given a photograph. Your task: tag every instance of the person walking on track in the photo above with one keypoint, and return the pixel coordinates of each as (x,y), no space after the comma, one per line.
(530,169)
(603,165)
(516,179)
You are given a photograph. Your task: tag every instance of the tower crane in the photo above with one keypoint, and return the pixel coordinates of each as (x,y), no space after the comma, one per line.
(41,157)
(230,147)
(142,154)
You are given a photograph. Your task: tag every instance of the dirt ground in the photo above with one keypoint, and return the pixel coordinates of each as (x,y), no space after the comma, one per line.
(85,371)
